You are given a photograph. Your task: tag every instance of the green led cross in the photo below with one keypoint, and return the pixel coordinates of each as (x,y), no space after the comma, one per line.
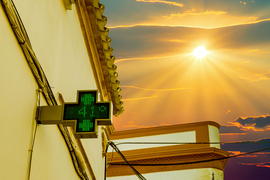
(86,112)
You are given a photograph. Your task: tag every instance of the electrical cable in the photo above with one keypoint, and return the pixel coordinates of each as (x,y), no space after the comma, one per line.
(181,143)
(106,165)
(31,152)
(33,136)
(111,157)
(20,20)
(238,142)
(123,157)
(194,162)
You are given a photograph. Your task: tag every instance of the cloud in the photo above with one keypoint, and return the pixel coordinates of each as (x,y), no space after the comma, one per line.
(177,40)
(257,51)
(203,19)
(235,170)
(257,77)
(165,124)
(162,41)
(259,123)
(233,153)
(236,132)
(248,146)
(230,129)
(139,98)
(197,20)
(208,13)
(263,76)
(229,111)
(243,2)
(131,125)
(232,134)
(263,164)
(160,1)
(207,19)
(146,58)
(193,13)
(146,89)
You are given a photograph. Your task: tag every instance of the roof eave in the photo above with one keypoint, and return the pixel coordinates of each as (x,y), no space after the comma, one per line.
(99,50)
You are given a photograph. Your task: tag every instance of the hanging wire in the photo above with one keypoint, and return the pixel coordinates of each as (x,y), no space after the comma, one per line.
(194,162)
(111,158)
(33,135)
(123,157)
(175,143)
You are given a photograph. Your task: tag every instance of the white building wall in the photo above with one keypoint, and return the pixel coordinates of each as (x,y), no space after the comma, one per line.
(58,43)
(214,136)
(202,133)
(189,137)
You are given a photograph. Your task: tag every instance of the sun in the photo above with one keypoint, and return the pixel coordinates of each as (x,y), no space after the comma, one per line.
(200,52)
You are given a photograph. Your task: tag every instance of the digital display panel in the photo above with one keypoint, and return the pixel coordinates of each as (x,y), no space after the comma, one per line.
(86,111)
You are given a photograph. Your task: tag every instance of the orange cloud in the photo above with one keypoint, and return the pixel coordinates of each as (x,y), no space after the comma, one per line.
(248,155)
(200,20)
(257,77)
(178,40)
(207,19)
(160,1)
(263,76)
(257,51)
(233,153)
(232,134)
(193,13)
(145,58)
(140,98)
(262,153)
(132,125)
(263,164)
(173,89)
(247,127)
(165,124)
(229,111)
(256,123)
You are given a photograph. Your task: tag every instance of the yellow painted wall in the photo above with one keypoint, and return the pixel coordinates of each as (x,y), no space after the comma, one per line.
(58,43)
(17,102)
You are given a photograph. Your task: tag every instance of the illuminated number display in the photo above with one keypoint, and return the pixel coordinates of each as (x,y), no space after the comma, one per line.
(86,111)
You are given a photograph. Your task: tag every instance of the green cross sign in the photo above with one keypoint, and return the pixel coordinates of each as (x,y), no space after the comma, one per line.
(86,114)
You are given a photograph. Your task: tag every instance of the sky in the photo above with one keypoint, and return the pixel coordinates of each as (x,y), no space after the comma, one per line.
(163,83)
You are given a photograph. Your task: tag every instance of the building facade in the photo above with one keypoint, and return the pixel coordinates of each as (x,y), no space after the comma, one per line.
(50,50)
(170,152)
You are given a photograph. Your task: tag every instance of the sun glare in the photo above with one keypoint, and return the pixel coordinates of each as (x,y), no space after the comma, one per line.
(200,52)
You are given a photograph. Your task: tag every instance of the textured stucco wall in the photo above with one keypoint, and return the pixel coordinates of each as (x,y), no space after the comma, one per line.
(58,43)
